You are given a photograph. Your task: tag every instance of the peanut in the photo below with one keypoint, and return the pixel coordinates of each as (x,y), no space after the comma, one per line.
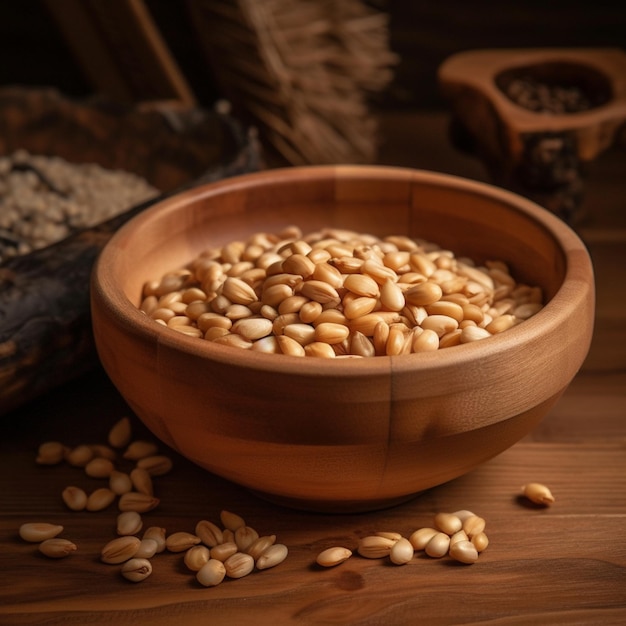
(120,549)
(438,545)
(75,498)
(212,573)
(210,534)
(50,453)
(464,551)
(375,547)
(39,531)
(136,569)
(147,549)
(120,482)
(231,521)
(538,493)
(401,552)
(272,556)
(333,556)
(157,534)
(100,499)
(56,548)
(238,565)
(136,501)
(120,433)
(181,541)
(99,467)
(196,556)
(129,523)
(260,545)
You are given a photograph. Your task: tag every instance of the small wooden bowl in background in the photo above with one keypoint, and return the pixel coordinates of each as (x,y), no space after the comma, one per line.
(344,434)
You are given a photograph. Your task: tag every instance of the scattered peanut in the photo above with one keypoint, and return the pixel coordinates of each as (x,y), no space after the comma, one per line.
(75,498)
(80,455)
(212,573)
(120,549)
(272,556)
(120,434)
(156,465)
(158,535)
(57,548)
(139,502)
(245,537)
(224,550)
(421,537)
(147,549)
(129,523)
(181,541)
(120,482)
(401,552)
(196,556)
(375,547)
(473,525)
(333,556)
(464,551)
(438,545)
(141,480)
(50,453)
(140,449)
(210,534)
(100,499)
(239,565)
(99,467)
(480,541)
(39,531)
(260,545)
(231,521)
(136,569)
(448,523)
(538,493)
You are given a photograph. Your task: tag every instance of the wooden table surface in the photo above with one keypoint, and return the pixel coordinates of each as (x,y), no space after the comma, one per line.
(564,564)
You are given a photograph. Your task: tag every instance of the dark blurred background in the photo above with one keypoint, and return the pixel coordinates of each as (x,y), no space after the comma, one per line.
(422,33)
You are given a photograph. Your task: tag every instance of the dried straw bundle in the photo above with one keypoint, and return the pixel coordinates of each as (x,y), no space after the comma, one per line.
(303,70)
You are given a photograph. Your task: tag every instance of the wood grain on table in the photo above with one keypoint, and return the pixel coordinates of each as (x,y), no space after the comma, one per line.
(564,564)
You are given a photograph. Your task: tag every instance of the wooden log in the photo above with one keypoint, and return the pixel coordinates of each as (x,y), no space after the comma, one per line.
(45,325)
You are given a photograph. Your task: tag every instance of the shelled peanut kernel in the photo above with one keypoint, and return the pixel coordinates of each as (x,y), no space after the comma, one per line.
(538,493)
(275,293)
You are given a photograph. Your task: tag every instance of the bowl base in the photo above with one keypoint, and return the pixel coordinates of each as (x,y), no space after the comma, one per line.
(334,507)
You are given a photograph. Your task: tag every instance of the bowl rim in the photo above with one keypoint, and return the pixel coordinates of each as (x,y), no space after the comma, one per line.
(546,320)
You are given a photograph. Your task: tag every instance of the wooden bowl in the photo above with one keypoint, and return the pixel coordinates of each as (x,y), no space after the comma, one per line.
(344,434)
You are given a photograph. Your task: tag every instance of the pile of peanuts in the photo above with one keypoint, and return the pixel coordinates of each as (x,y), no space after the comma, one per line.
(461,535)
(211,552)
(338,293)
